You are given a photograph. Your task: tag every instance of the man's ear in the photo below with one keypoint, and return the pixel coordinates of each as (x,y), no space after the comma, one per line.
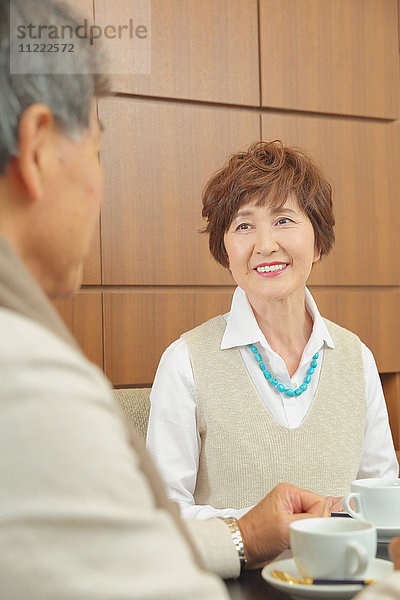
(35,135)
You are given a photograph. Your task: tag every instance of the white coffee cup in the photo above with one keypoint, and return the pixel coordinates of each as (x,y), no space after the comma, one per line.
(375,500)
(334,548)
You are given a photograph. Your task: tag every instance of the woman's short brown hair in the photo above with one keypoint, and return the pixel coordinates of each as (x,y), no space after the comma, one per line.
(268,172)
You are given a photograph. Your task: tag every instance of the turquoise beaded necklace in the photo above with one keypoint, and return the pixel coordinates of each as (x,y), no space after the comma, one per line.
(274,382)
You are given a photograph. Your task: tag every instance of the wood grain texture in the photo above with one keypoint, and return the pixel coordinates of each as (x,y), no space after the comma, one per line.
(83,315)
(158,157)
(139,327)
(371,313)
(92,268)
(204,50)
(361,159)
(391,389)
(334,56)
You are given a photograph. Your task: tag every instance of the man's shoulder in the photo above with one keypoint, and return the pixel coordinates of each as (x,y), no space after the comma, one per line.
(42,358)
(23,335)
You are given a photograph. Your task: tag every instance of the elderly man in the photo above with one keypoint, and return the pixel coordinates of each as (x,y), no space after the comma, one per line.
(82,511)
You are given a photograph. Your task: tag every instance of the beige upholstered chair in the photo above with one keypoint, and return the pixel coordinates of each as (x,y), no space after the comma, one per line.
(135,402)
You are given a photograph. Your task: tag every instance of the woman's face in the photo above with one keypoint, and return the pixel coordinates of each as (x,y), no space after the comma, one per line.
(271,251)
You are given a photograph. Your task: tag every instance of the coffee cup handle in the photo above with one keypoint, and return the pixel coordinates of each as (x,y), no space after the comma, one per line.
(355,496)
(357,549)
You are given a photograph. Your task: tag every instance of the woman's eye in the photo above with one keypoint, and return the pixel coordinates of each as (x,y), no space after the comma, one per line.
(284,221)
(242,227)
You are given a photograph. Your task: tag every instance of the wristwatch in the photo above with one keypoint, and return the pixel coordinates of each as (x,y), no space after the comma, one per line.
(237,539)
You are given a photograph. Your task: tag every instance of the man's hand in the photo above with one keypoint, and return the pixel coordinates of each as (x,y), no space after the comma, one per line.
(335,504)
(394,551)
(265,528)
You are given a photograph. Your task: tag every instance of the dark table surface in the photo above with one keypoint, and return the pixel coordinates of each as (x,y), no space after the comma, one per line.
(251,585)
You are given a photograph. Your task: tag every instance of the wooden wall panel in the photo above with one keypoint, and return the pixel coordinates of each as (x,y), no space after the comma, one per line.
(139,325)
(330,56)
(204,50)
(335,56)
(373,314)
(92,269)
(83,315)
(159,156)
(361,159)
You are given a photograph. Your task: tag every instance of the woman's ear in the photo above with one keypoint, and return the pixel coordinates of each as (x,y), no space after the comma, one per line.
(36,130)
(317,254)
(226,261)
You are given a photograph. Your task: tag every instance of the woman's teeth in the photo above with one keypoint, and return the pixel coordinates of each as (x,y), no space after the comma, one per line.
(269,269)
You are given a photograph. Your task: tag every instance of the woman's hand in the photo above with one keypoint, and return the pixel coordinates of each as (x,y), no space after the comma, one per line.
(265,528)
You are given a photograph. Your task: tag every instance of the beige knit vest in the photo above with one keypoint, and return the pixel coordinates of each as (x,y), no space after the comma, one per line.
(245,452)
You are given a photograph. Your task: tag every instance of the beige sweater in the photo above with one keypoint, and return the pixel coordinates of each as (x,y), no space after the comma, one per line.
(245,452)
(83,515)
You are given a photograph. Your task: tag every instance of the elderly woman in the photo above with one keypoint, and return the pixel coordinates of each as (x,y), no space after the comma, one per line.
(270,391)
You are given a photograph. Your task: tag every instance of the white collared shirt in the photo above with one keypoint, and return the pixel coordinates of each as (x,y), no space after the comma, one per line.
(173,439)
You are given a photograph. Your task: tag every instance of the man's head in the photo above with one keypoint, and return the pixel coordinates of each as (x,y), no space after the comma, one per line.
(50,179)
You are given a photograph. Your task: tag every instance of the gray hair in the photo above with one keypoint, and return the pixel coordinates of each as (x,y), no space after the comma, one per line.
(68,96)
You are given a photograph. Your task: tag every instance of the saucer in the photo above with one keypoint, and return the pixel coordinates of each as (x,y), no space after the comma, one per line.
(385,534)
(377,570)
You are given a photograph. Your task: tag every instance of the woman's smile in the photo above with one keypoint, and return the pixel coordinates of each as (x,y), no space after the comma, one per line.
(272,269)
